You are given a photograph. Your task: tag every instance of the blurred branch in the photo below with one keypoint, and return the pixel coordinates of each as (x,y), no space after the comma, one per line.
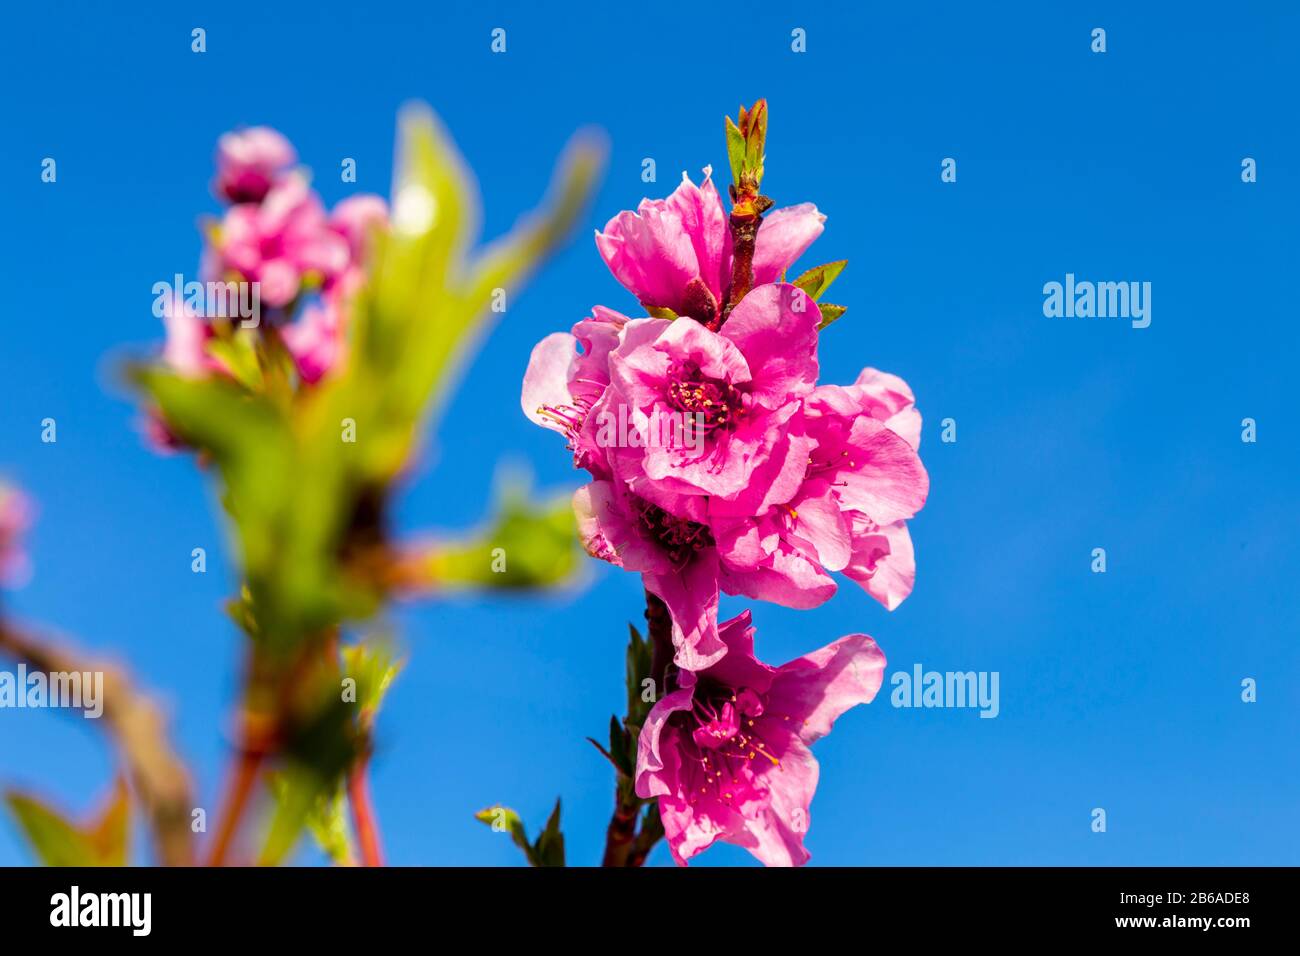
(137,725)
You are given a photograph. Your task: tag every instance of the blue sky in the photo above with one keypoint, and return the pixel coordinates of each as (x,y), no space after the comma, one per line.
(1118,690)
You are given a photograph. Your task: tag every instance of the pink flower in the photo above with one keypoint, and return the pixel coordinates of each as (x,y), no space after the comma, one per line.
(249,161)
(185,348)
(726,751)
(860,482)
(728,397)
(15,519)
(672,548)
(355,218)
(675,253)
(877,500)
(317,340)
(281,242)
(567,375)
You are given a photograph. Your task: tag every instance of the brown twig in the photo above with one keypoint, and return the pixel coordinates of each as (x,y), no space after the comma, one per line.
(621,832)
(624,844)
(744,222)
(139,729)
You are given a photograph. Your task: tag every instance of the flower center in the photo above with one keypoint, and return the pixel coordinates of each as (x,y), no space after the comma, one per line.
(680,537)
(720,739)
(717,404)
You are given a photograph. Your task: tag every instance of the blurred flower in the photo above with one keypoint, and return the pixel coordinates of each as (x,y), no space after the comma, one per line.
(355,218)
(249,162)
(727,751)
(281,242)
(317,339)
(15,518)
(184,348)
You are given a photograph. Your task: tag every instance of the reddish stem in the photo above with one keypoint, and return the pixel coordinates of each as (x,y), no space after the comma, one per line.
(363,815)
(240,789)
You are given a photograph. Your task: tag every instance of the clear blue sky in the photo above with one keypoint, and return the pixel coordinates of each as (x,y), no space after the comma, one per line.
(1119,690)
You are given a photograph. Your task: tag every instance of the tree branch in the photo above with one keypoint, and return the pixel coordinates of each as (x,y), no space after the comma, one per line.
(139,729)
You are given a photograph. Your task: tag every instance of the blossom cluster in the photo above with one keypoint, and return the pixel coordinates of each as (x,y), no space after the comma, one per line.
(781,482)
(307,262)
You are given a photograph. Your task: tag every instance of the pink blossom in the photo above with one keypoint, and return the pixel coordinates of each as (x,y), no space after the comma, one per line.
(317,340)
(887,486)
(860,481)
(355,218)
(672,548)
(185,348)
(249,162)
(282,242)
(726,750)
(675,253)
(567,375)
(735,391)
(15,518)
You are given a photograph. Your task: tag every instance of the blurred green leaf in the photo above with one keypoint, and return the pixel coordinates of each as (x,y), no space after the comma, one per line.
(304,800)
(819,278)
(425,308)
(527,545)
(374,667)
(60,842)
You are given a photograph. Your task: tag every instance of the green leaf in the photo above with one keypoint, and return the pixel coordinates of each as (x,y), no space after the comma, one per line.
(374,667)
(527,546)
(819,278)
(620,747)
(755,123)
(60,842)
(426,308)
(735,149)
(304,800)
(328,825)
(287,504)
(640,654)
(549,849)
(503,819)
(829,313)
